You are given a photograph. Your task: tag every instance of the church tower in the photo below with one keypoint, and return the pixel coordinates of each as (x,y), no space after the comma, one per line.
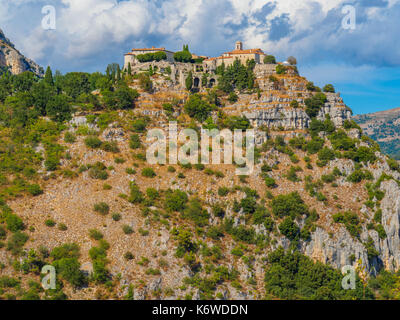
(239,45)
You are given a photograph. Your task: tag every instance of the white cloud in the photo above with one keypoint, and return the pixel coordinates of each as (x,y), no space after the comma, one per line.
(91,31)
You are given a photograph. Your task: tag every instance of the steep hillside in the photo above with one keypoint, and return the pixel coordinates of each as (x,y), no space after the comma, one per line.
(383,127)
(78,193)
(13,60)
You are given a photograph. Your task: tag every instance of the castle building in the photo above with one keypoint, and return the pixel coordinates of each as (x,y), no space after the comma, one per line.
(130,57)
(239,53)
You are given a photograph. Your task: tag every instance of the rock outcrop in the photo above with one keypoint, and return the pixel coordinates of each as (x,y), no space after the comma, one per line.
(13,60)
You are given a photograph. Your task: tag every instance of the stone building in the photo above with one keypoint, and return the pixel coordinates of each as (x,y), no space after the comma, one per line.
(130,57)
(239,53)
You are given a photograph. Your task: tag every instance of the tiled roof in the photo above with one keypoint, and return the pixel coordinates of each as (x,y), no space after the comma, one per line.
(248,51)
(150,49)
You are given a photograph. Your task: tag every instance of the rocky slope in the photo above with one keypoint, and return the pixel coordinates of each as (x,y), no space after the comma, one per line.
(12,59)
(199,232)
(383,127)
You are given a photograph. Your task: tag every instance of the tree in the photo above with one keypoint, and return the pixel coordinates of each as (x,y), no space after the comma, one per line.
(69,269)
(129,69)
(289,229)
(314,104)
(145,82)
(329,88)
(289,205)
(197,108)
(292,60)
(76,83)
(58,108)
(280,69)
(48,78)
(23,82)
(189,81)
(42,92)
(269,59)
(184,55)
(125,97)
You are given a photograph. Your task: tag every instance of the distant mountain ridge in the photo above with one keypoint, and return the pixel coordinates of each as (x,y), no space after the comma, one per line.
(13,60)
(383,127)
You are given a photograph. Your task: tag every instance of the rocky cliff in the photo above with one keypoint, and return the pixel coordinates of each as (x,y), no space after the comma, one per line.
(13,60)
(383,127)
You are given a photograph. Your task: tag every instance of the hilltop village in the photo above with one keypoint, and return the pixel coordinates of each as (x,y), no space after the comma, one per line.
(276,86)
(184,62)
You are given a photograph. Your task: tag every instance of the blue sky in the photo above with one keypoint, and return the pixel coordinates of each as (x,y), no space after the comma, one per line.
(363,64)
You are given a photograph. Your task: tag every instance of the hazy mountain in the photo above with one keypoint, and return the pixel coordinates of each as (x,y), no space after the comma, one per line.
(383,127)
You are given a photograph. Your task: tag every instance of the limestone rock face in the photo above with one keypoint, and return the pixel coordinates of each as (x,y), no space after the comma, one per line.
(341,249)
(14,60)
(295,119)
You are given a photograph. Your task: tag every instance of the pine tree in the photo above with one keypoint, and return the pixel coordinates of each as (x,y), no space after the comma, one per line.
(118,73)
(48,78)
(189,81)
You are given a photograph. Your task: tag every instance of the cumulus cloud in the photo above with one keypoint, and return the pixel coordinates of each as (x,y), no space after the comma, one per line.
(91,33)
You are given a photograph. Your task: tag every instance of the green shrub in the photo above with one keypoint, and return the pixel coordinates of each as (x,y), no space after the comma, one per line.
(69,269)
(329,88)
(127,229)
(14,223)
(359,175)
(223,191)
(314,104)
(116,217)
(289,229)
(315,144)
(134,142)
(16,242)
(143,232)
(102,208)
(351,222)
(3,233)
(291,275)
(289,205)
(148,173)
(95,234)
(326,154)
(269,59)
(381,231)
(62,227)
(110,146)
(34,189)
(139,125)
(69,137)
(128,256)
(176,200)
(93,142)
(196,213)
(136,196)
(50,223)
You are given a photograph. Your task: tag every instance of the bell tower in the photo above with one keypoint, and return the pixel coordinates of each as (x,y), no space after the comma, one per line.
(239,45)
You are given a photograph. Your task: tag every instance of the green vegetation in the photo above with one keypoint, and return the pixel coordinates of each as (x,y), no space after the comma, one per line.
(314,104)
(350,220)
(296,277)
(236,77)
(289,205)
(148,57)
(198,108)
